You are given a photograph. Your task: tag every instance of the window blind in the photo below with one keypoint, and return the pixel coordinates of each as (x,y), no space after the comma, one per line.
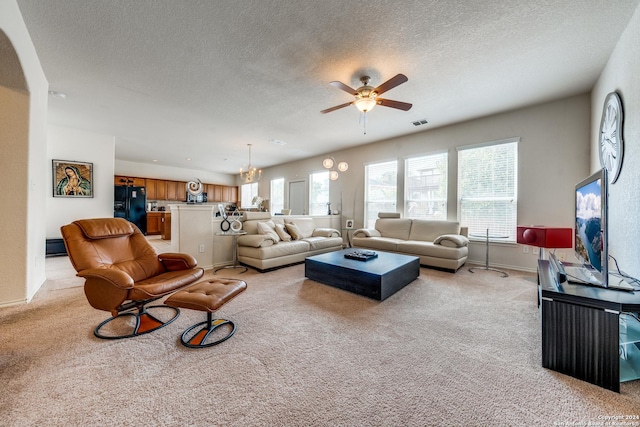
(277,195)
(425,184)
(247,193)
(318,193)
(487,189)
(380,190)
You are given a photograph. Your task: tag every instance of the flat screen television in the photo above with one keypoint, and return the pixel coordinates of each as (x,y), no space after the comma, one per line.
(591,245)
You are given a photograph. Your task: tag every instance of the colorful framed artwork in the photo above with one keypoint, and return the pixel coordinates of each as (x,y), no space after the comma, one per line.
(72,179)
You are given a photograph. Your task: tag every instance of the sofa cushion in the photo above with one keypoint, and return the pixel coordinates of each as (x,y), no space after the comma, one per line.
(451,240)
(268,228)
(294,231)
(388,214)
(380,243)
(366,232)
(255,240)
(428,230)
(282,233)
(275,251)
(325,232)
(306,225)
(419,248)
(323,242)
(396,228)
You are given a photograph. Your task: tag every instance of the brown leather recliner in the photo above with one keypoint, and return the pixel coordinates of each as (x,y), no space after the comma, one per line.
(123,272)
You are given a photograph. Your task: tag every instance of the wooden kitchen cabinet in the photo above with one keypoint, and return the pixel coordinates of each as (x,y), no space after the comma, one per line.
(154,223)
(127,180)
(217,193)
(151,185)
(182,191)
(172,190)
(226,194)
(234,195)
(161,189)
(165,225)
(210,190)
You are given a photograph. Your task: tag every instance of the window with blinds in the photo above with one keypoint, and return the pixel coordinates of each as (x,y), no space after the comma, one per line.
(488,188)
(247,193)
(318,193)
(425,184)
(380,195)
(276,195)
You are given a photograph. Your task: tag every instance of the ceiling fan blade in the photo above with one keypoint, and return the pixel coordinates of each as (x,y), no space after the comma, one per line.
(394,104)
(391,83)
(337,107)
(344,87)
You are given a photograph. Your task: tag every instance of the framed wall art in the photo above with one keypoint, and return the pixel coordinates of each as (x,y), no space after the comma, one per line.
(72,179)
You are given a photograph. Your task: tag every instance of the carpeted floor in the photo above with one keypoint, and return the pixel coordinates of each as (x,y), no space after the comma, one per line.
(447,350)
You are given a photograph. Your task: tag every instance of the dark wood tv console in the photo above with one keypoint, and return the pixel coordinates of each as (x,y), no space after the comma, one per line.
(586,332)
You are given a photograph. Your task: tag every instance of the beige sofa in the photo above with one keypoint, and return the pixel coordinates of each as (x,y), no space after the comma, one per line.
(268,251)
(440,244)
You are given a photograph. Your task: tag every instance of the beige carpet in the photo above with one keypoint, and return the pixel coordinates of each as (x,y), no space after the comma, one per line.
(447,350)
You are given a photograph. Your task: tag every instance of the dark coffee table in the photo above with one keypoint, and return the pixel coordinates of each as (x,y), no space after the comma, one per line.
(376,278)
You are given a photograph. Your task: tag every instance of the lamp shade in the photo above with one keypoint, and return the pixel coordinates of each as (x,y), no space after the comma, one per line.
(545,237)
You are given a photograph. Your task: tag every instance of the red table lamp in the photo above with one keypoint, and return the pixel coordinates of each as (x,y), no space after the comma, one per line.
(545,237)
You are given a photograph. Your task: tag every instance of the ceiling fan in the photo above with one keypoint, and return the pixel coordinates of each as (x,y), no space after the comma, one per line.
(367,96)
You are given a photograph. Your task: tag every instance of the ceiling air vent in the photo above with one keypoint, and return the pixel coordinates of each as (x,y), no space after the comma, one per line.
(420,122)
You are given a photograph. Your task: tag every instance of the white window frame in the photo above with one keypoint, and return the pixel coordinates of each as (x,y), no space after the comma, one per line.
(499,190)
(318,198)
(276,195)
(372,203)
(425,186)
(247,193)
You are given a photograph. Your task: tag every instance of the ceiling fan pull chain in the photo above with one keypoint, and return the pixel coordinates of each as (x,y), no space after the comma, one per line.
(364,122)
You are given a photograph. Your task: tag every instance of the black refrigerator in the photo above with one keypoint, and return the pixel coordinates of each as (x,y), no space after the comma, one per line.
(130,204)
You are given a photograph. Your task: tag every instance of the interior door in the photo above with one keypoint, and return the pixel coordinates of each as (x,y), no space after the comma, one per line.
(297,197)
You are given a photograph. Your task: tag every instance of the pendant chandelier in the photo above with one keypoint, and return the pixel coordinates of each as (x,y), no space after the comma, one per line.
(329,162)
(252,174)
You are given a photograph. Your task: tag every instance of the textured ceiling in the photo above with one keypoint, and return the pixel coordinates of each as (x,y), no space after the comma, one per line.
(205,78)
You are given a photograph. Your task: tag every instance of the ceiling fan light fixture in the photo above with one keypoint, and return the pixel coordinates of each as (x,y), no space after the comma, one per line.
(365,104)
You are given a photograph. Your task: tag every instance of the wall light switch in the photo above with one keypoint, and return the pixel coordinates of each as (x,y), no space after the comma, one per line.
(536,250)
(525,249)
(201,249)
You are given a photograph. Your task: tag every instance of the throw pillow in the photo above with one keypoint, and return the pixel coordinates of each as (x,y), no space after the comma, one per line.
(294,231)
(264,228)
(282,233)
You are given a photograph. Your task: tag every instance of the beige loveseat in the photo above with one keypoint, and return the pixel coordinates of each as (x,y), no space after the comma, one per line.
(440,244)
(264,250)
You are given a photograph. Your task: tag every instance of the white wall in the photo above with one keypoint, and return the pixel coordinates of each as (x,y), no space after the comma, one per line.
(553,156)
(621,75)
(77,145)
(146,170)
(23,114)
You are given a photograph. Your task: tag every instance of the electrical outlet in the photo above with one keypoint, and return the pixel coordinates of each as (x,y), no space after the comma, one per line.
(201,249)
(525,249)
(536,250)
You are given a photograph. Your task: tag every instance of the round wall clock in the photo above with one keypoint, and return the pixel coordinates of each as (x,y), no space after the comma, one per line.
(611,145)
